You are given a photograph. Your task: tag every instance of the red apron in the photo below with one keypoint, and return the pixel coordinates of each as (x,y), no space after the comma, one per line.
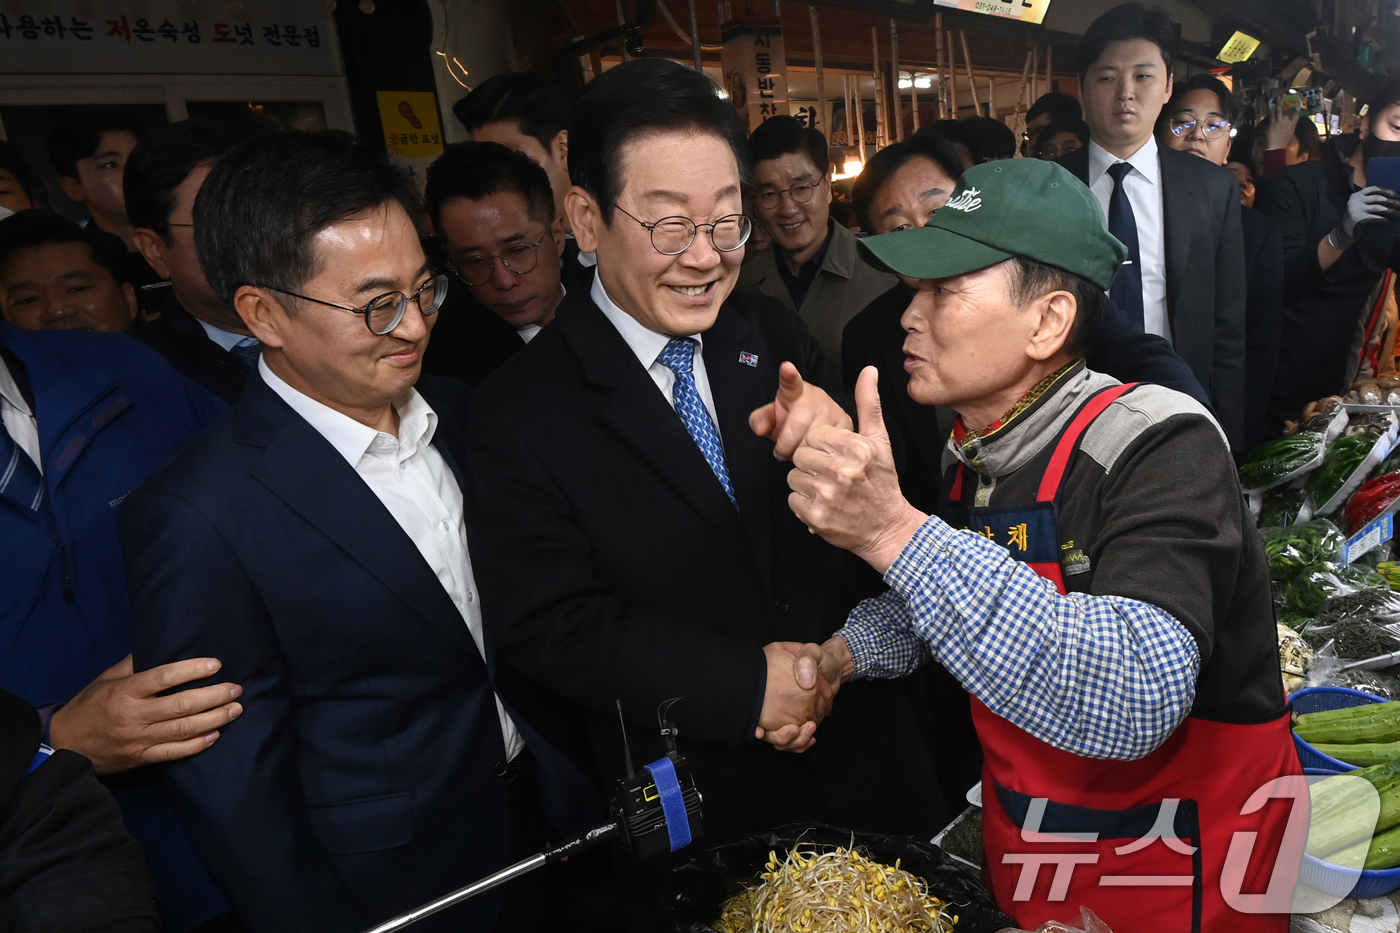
(1143,843)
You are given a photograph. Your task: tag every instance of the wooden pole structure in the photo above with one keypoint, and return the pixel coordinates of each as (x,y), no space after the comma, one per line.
(914,98)
(860,116)
(942,88)
(1035,73)
(971,80)
(1024,104)
(953,79)
(882,111)
(897,110)
(1049,68)
(695,37)
(622,21)
(991,96)
(846,106)
(821,74)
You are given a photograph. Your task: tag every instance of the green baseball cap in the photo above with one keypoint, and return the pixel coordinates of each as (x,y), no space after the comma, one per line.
(1016,207)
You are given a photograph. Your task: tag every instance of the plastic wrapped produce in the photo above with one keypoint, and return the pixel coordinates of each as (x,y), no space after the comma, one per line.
(1277,461)
(1374,497)
(1317,584)
(1293,549)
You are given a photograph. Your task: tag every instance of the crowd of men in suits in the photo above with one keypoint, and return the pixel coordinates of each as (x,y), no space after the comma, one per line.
(342,616)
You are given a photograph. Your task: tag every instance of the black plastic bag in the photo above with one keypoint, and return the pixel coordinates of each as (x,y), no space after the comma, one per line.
(706,881)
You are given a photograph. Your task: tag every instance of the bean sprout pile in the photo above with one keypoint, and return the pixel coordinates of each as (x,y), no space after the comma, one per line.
(839,891)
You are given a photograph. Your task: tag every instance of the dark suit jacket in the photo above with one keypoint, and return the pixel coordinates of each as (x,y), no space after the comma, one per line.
(358,783)
(1263,259)
(614,567)
(1205,276)
(175,334)
(469,342)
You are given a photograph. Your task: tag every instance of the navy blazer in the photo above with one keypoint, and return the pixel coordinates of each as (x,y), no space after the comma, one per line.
(1206,290)
(360,780)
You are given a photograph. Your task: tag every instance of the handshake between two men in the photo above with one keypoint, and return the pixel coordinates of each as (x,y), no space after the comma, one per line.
(844,488)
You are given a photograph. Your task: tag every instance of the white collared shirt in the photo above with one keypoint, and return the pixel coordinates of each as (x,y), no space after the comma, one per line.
(647,344)
(415,484)
(226,339)
(1144,189)
(17,416)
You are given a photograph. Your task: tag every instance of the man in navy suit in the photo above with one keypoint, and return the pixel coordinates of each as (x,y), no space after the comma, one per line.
(314,541)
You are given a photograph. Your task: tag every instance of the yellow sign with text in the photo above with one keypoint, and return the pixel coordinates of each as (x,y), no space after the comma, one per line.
(1027,11)
(410,121)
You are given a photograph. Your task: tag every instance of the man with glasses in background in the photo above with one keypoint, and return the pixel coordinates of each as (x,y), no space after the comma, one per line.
(636,540)
(1179,216)
(314,542)
(493,212)
(812,266)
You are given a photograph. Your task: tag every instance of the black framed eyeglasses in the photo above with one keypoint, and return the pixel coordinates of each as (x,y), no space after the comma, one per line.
(672,236)
(520,259)
(384,313)
(1212,127)
(800,194)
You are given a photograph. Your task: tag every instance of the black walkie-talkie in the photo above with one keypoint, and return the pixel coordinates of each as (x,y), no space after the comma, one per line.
(650,804)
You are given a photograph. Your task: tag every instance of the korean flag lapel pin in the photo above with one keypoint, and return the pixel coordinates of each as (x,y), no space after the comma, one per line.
(748,359)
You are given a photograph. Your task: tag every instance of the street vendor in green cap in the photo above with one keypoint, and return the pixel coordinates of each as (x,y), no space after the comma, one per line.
(1094,580)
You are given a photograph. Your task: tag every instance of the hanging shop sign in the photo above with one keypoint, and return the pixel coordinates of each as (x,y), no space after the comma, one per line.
(280,37)
(1027,11)
(412,133)
(755,70)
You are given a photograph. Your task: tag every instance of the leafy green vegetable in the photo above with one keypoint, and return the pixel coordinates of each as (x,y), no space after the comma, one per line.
(1340,461)
(1294,548)
(1276,460)
(1319,583)
(1281,507)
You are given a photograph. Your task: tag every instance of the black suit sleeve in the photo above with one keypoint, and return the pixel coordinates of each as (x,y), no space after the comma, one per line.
(241,800)
(1264,332)
(1287,200)
(1129,355)
(556,622)
(1228,377)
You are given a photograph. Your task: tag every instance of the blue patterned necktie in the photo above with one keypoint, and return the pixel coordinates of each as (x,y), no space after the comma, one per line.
(247,355)
(1126,291)
(20,479)
(679,358)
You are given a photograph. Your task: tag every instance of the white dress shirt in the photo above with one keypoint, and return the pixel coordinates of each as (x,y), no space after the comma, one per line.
(18,417)
(415,484)
(226,339)
(1144,189)
(647,344)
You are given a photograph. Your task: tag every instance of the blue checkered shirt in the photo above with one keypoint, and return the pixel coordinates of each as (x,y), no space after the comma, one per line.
(1097,676)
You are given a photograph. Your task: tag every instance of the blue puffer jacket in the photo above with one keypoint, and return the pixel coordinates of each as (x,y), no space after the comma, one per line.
(110,413)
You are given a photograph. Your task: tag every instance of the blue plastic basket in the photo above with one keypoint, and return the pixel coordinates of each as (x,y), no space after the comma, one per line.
(1345,882)
(1315,700)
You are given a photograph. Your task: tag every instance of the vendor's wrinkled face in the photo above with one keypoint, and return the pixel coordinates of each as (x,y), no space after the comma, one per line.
(674,173)
(968,340)
(1124,91)
(794,202)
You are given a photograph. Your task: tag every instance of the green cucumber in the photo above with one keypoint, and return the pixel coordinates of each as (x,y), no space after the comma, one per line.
(1381,726)
(1362,754)
(1384,851)
(1363,711)
(1338,808)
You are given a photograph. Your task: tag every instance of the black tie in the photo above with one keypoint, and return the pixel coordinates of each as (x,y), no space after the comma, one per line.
(20,479)
(247,356)
(1127,284)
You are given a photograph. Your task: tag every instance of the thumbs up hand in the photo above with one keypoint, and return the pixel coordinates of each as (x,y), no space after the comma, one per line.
(845,488)
(797,408)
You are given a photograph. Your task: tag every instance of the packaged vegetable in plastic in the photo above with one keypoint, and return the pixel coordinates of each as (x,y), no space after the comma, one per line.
(1281,507)
(1360,625)
(1373,498)
(1292,549)
(1391,571)
(1089,923)
(1314,586)
(1279,460)
(1362,446)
